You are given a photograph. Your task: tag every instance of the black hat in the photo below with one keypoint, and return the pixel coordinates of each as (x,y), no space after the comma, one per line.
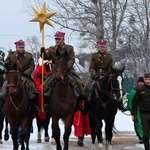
(141,79)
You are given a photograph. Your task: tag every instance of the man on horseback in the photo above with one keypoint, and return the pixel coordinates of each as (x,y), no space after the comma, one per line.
(50,54)
(25,64)
(101,61)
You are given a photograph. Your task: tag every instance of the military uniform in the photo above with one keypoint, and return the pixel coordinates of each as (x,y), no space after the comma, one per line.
(142,100)
(99,64)
(25,64)
(51,55)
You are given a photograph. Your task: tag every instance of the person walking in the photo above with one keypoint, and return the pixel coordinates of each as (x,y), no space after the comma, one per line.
(137,125)
(142,100)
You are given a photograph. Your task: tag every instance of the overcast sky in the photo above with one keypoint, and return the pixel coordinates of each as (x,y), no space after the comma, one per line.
(15,25)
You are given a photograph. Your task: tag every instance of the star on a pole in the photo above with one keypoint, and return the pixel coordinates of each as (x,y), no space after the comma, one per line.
(42,16)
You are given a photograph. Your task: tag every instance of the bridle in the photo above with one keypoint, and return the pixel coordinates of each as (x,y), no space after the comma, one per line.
(110,94)
(18,79)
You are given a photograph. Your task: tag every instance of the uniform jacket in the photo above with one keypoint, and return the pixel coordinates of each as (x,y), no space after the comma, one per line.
(99,63)
(51,55)
(142,98)
(25,61)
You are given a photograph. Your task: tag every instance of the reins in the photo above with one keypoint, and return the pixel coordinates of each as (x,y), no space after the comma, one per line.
(109,94)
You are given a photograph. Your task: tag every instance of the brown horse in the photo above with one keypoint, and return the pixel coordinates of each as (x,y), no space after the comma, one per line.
(17,107)
(62,102)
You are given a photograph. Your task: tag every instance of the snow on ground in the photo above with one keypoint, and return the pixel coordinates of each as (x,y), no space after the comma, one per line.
(122,123)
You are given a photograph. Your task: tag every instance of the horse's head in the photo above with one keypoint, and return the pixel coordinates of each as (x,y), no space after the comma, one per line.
(114,82)
(13,78)
(61,65)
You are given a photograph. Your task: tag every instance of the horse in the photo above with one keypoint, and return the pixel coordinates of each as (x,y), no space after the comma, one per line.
(17,107)
(62,102)
(104,106)
(3,117)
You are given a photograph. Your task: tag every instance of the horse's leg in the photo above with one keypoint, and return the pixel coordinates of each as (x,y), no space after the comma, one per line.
(92,126)
(68,123)
(46,124)
(56,132)
(38,122)
(109,121)
(98,131)
(1,126)
(6,136)
(14,132)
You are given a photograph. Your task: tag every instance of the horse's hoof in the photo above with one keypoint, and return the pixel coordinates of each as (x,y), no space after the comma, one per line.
(1,141)
(47,139)
(6,137)
(100,146)
(53,141)
(39,140)
(80,143)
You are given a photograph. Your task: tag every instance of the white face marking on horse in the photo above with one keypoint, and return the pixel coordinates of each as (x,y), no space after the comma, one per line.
(119,78)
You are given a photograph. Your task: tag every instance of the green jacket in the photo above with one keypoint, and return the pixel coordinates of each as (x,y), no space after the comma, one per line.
(130,99)
(25,61)
(100,63)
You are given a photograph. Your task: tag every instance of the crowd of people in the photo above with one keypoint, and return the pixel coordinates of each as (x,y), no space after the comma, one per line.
(101,61)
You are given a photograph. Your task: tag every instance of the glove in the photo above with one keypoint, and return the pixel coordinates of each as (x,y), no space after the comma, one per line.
(134,118)
(42,49)
(96,77)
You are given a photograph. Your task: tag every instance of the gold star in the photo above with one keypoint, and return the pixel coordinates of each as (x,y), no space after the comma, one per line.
(42,16)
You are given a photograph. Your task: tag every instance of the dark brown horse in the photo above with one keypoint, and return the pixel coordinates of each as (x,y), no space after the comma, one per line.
(62,103)
(17,107)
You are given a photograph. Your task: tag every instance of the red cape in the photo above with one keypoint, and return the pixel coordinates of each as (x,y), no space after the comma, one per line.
(38,81)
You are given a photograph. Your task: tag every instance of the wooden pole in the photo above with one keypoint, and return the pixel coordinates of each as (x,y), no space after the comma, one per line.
(42,100)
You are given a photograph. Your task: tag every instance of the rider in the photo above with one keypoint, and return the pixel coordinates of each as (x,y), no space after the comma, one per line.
(50,54)
(25,64)
(100,62)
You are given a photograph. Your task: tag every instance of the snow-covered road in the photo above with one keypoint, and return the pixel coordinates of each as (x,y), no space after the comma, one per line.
(122,123)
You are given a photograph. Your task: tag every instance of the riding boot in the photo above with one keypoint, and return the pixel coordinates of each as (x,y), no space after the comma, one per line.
(121,106)
(91,89)
(49,86)
(3,92)
(35,107)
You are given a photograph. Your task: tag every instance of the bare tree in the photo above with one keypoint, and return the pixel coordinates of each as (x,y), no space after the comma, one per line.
(91,19)
(34,46)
